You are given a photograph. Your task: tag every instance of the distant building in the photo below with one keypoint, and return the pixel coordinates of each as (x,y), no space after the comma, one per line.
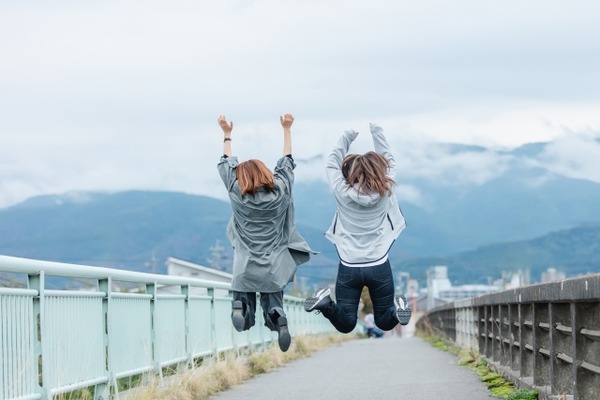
(552,274)
(513,279)
(177,267)
(440,289)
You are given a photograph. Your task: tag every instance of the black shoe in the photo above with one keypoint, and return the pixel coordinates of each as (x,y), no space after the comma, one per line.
(319,301)
(284,338)
(237,316)
(403,311)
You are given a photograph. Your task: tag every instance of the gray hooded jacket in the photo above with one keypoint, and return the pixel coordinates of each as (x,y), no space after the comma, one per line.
(267,248)
(365,225)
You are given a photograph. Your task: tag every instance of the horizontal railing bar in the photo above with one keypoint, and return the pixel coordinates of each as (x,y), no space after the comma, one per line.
(132,372)
(18,292)
(529,347)
(194,297)
(544,325)
(564,329)
(73,293)
(124,295)
(583,288)
(78,385)
(591,334)
(202,354)
(173,361)
(590,367)
(565,358)
(34,267)
(170,296)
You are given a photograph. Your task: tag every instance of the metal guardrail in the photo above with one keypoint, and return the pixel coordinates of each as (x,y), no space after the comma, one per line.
(58,341)
(544,336)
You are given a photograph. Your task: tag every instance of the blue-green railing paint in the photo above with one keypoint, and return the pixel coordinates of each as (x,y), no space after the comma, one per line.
(57,341)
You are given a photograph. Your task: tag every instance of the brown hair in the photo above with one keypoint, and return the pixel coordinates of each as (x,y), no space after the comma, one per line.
(368,172)
(252,175)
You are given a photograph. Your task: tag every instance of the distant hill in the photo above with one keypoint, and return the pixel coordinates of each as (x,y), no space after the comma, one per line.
(133,230)
(521,214)
(122,229)
(574,251)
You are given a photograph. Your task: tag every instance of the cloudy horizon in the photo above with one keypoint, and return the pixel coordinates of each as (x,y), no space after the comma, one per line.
(115,96)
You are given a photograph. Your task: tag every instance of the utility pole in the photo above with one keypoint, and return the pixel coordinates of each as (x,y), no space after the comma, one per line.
(217,254)
(152,263)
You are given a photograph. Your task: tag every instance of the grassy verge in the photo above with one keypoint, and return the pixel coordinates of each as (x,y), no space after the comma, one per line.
(498,386)
(216,375)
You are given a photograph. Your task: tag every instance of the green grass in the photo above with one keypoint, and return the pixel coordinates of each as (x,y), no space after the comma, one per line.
(497,385)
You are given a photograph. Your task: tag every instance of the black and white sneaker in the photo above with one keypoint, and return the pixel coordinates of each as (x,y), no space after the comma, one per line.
(318,301)
(403,311)
(237,316)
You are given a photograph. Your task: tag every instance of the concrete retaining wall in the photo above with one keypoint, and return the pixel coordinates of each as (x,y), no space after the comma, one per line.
(544,336)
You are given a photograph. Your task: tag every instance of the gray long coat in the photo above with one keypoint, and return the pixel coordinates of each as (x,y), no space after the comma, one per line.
(266,246)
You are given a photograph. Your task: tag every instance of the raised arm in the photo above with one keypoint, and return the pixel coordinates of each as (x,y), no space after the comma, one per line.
(227,127)
(382,147)
(333,165)
(287,120)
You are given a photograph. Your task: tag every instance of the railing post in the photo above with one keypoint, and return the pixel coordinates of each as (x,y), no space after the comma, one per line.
(481,329)
(151,289)
(552,345)
(521,336)
(213,320)
(515,339)
(542,360)
(37,282)
(102,391)
(185,290)
(574,355)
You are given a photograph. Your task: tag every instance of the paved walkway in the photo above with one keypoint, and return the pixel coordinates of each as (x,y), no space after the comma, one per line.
(389,368)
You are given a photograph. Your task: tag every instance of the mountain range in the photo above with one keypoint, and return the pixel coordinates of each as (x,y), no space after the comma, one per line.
(524,216)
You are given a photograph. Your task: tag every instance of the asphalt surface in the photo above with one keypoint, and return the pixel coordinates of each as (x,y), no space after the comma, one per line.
(365,369)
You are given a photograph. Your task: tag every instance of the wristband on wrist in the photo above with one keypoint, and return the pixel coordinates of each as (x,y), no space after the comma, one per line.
(227,139)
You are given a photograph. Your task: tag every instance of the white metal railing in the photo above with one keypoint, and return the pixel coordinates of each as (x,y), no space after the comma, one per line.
(57,341)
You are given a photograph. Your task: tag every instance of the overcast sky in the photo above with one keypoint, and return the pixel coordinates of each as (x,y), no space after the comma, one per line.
(116,95)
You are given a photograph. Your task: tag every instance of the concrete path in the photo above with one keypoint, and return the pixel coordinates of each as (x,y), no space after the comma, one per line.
(388,368)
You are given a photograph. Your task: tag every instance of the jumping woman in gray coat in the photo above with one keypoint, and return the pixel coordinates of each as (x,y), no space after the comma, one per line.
(266,246)
(366,224)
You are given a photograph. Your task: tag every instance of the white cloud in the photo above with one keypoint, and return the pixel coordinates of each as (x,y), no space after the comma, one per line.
(574,156)
(115,95)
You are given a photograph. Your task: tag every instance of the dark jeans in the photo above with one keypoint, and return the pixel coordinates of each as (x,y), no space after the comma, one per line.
(348,287)
(272,306)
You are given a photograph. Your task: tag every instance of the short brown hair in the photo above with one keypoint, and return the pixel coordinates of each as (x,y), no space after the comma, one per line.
(252,175)
(368,172)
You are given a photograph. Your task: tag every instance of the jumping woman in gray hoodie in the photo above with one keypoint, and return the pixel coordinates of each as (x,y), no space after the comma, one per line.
(262,231)
(367,222)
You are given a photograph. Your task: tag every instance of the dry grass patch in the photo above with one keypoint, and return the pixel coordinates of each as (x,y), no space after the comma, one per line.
(216,375)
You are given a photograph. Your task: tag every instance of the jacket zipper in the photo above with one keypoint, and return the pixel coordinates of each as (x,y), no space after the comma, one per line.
(390,220)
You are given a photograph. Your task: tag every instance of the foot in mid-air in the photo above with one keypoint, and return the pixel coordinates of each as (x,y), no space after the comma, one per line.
(403,311)
(319,301)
